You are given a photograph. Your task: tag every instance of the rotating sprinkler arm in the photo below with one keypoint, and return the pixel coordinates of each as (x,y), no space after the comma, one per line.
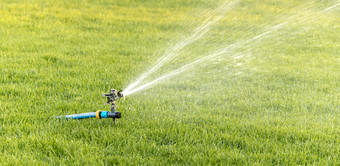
(113,96)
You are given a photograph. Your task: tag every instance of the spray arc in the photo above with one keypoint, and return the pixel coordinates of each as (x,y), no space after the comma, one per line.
(111,99)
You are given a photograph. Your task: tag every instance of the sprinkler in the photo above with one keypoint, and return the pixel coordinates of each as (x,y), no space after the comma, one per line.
(111,98)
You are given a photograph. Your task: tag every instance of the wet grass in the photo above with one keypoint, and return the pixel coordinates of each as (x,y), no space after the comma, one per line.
(57,57)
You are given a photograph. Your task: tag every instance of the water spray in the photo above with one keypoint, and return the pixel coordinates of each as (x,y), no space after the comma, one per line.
(230,50)
(111,99)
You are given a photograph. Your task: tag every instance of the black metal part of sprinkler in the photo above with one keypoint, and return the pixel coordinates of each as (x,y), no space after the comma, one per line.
(111,98)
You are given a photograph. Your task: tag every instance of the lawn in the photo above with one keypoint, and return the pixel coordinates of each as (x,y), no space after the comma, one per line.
(279,104)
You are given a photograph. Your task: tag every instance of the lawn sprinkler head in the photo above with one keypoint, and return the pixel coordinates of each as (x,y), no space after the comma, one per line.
(111,98)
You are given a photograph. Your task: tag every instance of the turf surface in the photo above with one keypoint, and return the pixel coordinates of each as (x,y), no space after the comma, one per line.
(57,57)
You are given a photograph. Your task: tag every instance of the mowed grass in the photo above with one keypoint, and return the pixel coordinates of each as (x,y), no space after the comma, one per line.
(57,57)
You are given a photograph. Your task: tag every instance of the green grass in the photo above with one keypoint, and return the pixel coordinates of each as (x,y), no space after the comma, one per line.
(57,57)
